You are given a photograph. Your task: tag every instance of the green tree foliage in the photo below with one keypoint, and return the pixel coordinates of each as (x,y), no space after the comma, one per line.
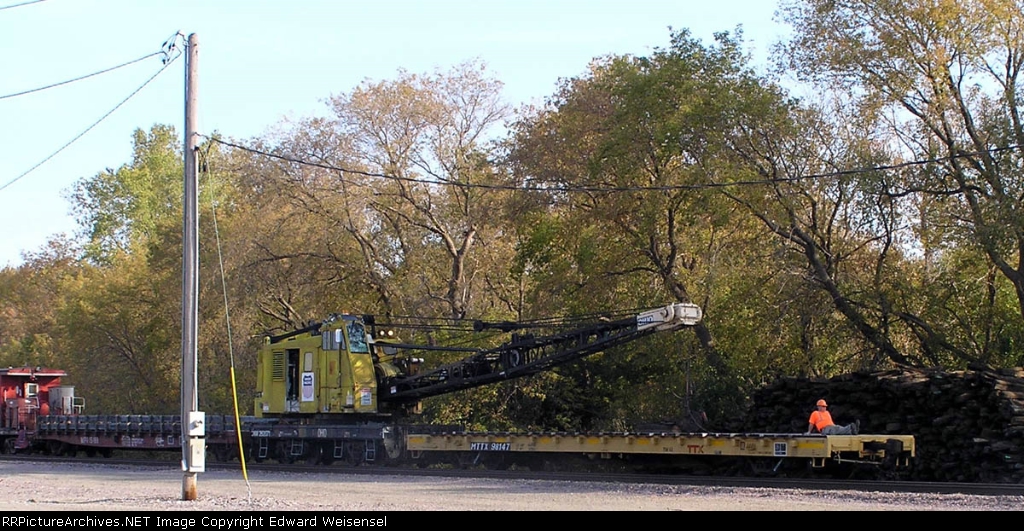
(32,294)
(120,209)
(120,317)
(942,78)
(289,255)
(635,144)
(831,228)
(122,332)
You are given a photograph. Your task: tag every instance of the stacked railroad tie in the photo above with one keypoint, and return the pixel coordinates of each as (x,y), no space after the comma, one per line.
(968,425)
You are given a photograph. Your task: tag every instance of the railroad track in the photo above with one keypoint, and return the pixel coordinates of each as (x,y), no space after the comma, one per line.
(818,484)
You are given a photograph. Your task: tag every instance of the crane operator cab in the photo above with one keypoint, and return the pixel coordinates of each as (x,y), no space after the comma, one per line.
(327,367)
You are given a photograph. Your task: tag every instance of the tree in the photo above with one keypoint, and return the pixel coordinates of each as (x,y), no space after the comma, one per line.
(291,243)
(423,142)
(836,230)
(121,337)
(944,77)
(627,152)
(395,194)
(118,210)
(32,294)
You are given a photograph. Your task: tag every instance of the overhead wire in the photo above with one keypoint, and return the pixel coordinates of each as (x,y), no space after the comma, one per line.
(566,189)
(21,4)
(170,54)
(87,76)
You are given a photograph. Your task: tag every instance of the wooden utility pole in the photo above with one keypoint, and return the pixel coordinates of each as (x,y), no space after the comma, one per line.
(193,429)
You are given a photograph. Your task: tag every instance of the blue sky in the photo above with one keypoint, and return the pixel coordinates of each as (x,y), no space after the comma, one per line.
(265,61)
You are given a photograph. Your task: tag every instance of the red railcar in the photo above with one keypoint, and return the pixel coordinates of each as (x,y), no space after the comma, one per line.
(27,393)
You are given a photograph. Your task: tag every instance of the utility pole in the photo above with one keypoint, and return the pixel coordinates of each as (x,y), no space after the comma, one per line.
(193,429)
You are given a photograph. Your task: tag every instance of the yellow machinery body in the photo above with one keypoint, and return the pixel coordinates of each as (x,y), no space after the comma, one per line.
(818,448)
(329,372)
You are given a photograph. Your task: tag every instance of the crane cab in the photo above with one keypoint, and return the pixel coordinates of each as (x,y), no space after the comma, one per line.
(323,368)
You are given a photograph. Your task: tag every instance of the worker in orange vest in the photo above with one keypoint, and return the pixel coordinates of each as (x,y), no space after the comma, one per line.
(821,421)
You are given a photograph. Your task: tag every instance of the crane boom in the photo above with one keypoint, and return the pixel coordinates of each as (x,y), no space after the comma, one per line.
(527,354)
(348,365)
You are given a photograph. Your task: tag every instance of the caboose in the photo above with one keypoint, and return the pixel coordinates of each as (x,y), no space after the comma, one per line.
(28,392)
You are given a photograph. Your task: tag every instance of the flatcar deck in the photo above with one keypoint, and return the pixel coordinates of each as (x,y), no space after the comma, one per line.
(818,448)
(63,434)
(141,432)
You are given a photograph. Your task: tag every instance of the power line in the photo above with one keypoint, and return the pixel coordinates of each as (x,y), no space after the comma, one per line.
(700,186)
(21,4)
(167,62)
(133,61)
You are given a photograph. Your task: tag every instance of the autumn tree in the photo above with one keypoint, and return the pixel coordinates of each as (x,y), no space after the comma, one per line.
(941,78)
(630,153)
(839,257)
(32,295)
(118,320)
(389,196)
(423,142)
(289,243)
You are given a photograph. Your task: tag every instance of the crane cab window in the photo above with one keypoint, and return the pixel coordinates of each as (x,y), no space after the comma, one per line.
(357,337)
(334,340)
(31,390)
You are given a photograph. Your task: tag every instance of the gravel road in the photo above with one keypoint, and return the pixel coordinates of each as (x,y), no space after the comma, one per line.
(40,486)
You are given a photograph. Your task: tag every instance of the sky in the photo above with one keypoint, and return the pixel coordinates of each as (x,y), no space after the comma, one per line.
(264,62)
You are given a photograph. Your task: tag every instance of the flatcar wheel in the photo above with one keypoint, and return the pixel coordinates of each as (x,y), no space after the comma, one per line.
(500,463)
(254,455)
(9,446)
(315,455)
(353,457)
(284,453)
(221,453)
(757,468)
(465,462)
(327,452)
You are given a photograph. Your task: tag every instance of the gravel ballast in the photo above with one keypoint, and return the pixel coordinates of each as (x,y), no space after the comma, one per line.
(40,486)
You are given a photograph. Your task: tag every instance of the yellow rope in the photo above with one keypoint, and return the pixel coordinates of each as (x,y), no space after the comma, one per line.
(231,351)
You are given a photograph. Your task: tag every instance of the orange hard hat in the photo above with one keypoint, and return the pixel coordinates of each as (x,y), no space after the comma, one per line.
(822,402)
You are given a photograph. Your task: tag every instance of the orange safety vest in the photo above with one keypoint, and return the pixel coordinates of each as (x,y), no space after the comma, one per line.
(821,419)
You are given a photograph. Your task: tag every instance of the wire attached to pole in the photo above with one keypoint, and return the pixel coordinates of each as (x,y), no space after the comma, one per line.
(170,52)
(227,319)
